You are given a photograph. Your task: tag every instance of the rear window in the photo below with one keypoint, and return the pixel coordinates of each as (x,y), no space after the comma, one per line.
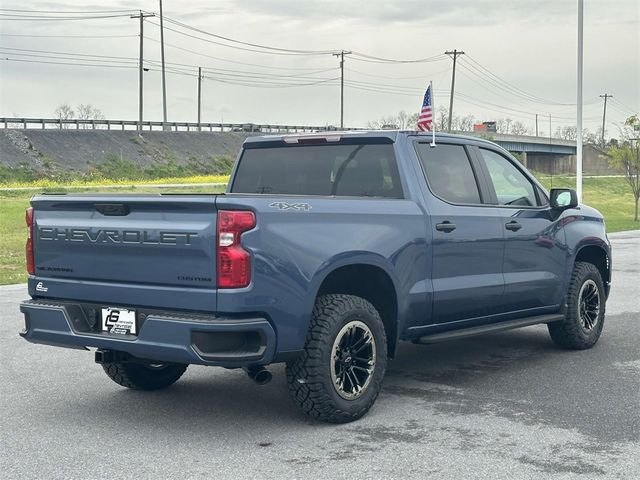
(343,170)
(449,173)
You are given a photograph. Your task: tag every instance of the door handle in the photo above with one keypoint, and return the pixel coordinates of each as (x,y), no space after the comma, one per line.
(513,226)
(446,226)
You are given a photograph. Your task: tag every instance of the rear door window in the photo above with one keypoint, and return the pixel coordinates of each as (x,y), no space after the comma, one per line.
(449,173)
(366,170)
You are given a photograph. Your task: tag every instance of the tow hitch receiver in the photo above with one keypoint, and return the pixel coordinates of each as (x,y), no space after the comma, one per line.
(111,356)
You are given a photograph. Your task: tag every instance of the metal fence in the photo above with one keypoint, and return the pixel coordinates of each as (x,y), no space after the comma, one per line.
(77,124)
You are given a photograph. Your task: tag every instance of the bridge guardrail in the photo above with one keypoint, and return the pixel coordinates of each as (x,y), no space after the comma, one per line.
(80,124)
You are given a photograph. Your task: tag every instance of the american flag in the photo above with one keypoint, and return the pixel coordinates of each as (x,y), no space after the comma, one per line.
(426,114)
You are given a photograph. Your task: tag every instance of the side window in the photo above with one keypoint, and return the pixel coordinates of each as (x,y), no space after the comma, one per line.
(449,173)
(511,185)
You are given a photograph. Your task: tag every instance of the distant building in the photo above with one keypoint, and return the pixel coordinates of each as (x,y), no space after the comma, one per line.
(485,127)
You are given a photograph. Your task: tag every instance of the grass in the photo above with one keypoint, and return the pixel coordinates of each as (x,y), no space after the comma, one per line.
(101,182)
(611,196)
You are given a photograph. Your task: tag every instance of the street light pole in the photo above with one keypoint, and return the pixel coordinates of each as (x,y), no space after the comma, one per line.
(199,95)
(579,101)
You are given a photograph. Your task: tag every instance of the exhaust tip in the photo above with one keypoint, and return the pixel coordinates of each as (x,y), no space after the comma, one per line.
(259,375)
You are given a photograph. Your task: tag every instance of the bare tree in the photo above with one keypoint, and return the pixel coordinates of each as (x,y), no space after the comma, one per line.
(402,119)
(592,137)
(64,112)
(466,123)
(89,112)
(507,125)
(441,119)
(519,128)
(567,132)
(412,121)
(626,158)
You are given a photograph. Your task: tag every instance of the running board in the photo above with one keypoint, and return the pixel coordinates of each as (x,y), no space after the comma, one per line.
(489,328)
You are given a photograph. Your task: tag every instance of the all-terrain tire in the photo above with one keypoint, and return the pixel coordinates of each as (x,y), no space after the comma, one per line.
(570,333)
(140,376)
(309,376)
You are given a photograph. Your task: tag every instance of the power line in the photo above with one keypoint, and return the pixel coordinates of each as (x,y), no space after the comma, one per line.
(93,56)
(12,17)
(66,63)
(621,106)
(63,57)
(65,11)
(249,44)
(63,36)
(271,67)
(435,58)
(118,59)
(235,47)
(511,86)
(395,78)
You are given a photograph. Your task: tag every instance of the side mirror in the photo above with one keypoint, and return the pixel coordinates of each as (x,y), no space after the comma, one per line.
(563,198)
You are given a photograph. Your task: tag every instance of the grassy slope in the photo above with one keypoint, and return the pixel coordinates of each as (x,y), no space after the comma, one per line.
(612,196)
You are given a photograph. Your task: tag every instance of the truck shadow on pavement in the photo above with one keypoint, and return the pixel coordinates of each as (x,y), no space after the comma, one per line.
(449,373)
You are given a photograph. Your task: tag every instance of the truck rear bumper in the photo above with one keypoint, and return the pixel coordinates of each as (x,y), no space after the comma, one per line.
(163,336)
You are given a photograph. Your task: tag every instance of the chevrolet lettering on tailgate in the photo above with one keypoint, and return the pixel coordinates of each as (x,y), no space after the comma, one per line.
(115,236)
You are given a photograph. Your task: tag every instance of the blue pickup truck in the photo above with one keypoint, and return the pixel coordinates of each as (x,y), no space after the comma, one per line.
(325,252)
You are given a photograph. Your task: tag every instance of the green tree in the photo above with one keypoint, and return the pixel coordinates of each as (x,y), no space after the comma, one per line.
(626,157)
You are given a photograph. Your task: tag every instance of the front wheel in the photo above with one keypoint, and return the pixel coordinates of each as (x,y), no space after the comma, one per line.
(339,375)
(584,314)
(140,376)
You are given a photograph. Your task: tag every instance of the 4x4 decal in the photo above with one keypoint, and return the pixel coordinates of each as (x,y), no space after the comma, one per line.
(290,206)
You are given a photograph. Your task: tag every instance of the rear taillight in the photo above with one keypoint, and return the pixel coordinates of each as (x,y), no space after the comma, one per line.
(29,246)
(233,261)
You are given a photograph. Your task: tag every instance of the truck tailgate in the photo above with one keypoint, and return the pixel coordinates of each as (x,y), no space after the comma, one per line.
(150,240)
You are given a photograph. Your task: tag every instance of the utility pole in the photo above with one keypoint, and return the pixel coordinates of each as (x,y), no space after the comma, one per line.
(341,55)
(455,54)
(141,16)
(536,124)
(199,95)
(164,85)
(604,113)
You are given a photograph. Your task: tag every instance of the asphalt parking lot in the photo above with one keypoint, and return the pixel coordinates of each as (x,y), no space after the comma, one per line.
(509,405)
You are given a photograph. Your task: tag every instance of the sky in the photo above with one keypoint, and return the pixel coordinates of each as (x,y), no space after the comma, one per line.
(520,59)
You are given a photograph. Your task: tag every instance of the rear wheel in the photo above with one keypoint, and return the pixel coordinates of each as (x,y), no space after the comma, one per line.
(338,377)
(585,306)
(148,376)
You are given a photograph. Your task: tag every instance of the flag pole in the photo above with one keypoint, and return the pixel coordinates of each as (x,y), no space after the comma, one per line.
(433,116)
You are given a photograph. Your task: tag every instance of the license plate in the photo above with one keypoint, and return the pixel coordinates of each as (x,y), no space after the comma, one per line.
(119,320)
